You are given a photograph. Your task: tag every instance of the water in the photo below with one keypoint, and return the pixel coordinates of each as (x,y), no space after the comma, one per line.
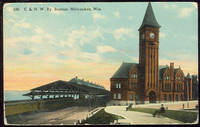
(11,95)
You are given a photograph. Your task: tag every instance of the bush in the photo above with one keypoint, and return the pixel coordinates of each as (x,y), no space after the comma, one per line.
(101,117)
(186,117)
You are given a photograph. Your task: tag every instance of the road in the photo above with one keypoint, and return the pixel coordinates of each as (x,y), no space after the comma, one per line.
(63,116)
(138,117)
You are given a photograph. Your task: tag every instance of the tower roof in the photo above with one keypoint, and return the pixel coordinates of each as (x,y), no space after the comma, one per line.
(149,18)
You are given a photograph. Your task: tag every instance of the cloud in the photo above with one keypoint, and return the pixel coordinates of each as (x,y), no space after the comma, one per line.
(38,30)
(185,12)
(20,24)
(105,48)
(181,12)
(117,14)
(130,17)
(162,35)
(30,73)
(187,66)
(135,59)
(42,33)
(10,10)
(121,32)
(80,36)
(97,16)
(25,25)
(37,38)
(168,5)
(195,4)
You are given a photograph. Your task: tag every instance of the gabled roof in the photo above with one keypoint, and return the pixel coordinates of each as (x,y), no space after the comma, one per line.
(149,18)
(162,69)
(59,86)
(123,71)
(176,70)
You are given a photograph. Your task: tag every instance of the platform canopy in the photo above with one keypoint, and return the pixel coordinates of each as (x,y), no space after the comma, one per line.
(74,86)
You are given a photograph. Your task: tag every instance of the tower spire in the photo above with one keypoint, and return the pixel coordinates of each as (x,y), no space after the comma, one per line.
(149,18)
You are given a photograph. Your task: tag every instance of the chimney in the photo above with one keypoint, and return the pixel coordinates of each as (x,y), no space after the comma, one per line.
(171,70)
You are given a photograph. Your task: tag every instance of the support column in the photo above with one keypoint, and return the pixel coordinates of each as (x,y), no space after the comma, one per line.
(146,68)
(32,97)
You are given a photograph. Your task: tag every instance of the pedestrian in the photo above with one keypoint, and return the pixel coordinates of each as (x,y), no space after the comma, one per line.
(162,109)
(183,106)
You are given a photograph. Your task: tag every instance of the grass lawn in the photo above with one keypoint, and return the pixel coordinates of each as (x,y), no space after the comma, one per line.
(186,117)
(102,117)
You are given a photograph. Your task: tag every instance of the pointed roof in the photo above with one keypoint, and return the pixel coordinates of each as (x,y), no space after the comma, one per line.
(149,18)
(188,75)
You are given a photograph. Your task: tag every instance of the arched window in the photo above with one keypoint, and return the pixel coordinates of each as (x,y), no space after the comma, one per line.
(134,76)
(167,78)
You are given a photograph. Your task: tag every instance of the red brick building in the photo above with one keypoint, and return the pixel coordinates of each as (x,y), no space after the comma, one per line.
(147,82)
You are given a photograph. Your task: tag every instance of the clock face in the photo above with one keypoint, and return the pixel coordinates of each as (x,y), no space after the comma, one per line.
(152,35)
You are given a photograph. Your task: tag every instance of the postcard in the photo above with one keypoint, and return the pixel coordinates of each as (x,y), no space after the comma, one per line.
(107,63)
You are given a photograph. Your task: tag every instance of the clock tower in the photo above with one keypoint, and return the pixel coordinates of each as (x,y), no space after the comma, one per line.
(148,57)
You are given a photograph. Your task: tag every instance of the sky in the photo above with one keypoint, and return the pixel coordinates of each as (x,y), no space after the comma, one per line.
(42,46)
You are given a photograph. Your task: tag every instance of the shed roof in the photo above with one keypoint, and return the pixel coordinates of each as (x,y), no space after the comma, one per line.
(70,86)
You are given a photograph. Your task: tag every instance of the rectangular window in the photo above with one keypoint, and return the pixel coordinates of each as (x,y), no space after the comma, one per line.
(176,97)
(181,97)
(165,97)
(116,85)
(114,96)
(130,96)
(170,97)
(119,85)
(133,86)
(119,96)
